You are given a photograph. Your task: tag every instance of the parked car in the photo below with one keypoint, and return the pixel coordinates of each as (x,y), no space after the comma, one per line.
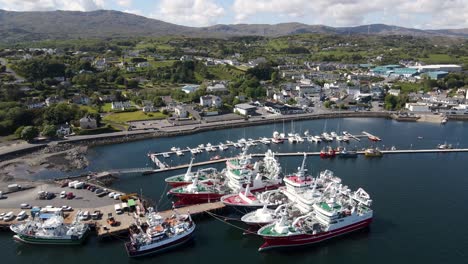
(84,216)
(66,208)
(2,215)
(25,206)
(70,196)
(117,196)
(111,194)
(22,215)
(96,215)
(63,194)
(8,217)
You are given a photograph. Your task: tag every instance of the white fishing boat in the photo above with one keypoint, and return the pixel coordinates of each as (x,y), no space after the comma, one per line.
(165,155)
(193,151)
(265,141)
(299,139)
(222,147)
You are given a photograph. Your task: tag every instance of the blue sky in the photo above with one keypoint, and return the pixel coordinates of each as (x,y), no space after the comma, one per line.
(414,13)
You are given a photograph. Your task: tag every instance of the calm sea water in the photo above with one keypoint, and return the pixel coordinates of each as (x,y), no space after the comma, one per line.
(419,199)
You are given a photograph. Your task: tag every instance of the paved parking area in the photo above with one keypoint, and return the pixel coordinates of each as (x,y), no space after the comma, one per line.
(83,198)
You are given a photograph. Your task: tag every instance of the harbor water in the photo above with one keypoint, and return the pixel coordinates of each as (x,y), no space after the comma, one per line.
(419,211)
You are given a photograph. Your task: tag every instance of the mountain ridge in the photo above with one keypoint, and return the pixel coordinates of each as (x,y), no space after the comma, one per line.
(42,25)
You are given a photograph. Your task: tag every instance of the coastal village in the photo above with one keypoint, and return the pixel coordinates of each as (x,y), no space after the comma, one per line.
(60,101)
(290,88)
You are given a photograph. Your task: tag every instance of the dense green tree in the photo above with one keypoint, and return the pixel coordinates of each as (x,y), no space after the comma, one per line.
(49,131)
(29,133)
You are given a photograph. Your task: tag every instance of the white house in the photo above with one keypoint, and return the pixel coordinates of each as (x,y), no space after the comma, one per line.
(53,100)
(190,88)
(88,122)
(180,111)
(417,107)
(64,130)
(308,88)
(394,92)
(279,97)
(80,99)
(353,90)
(34,104)
(219,87)
(210,101)
(120,105)
(244,109)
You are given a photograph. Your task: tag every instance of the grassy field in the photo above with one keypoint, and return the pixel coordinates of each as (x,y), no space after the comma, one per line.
(165,63)
(107,107)
(439,58)
(133,116)
(408,87)
(89,109)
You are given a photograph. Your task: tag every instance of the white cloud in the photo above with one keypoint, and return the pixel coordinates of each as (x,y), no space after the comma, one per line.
(189,12)
(125,3)
(43,5)
(429,13)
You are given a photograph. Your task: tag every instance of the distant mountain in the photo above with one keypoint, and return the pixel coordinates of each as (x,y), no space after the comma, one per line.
(32,26)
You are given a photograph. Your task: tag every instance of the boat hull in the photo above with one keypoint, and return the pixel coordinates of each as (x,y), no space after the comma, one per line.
(195,198)
(48,241)
(158,249)
(271,242)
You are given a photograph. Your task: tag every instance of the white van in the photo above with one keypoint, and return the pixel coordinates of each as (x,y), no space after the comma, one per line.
(78,185)
(8,217)
(72,184)
(117,208)
(124,206)
(22,215)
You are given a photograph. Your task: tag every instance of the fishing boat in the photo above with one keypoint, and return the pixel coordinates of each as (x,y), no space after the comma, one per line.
(193,151)
(261,176)
(298,137)
(338,213)
(277,138)
(345,138)
(327,137)
(222,147)
(327,153)
(299,181)
(165,155)
(184,179)
(158,234)
(373,152)
(246,201)
(444,121)
(52,231)
(264,216)
(217,157)
(444,146)
(347,154)
(199,192)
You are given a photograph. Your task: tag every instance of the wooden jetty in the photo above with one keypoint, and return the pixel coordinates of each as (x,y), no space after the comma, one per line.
(209,162)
